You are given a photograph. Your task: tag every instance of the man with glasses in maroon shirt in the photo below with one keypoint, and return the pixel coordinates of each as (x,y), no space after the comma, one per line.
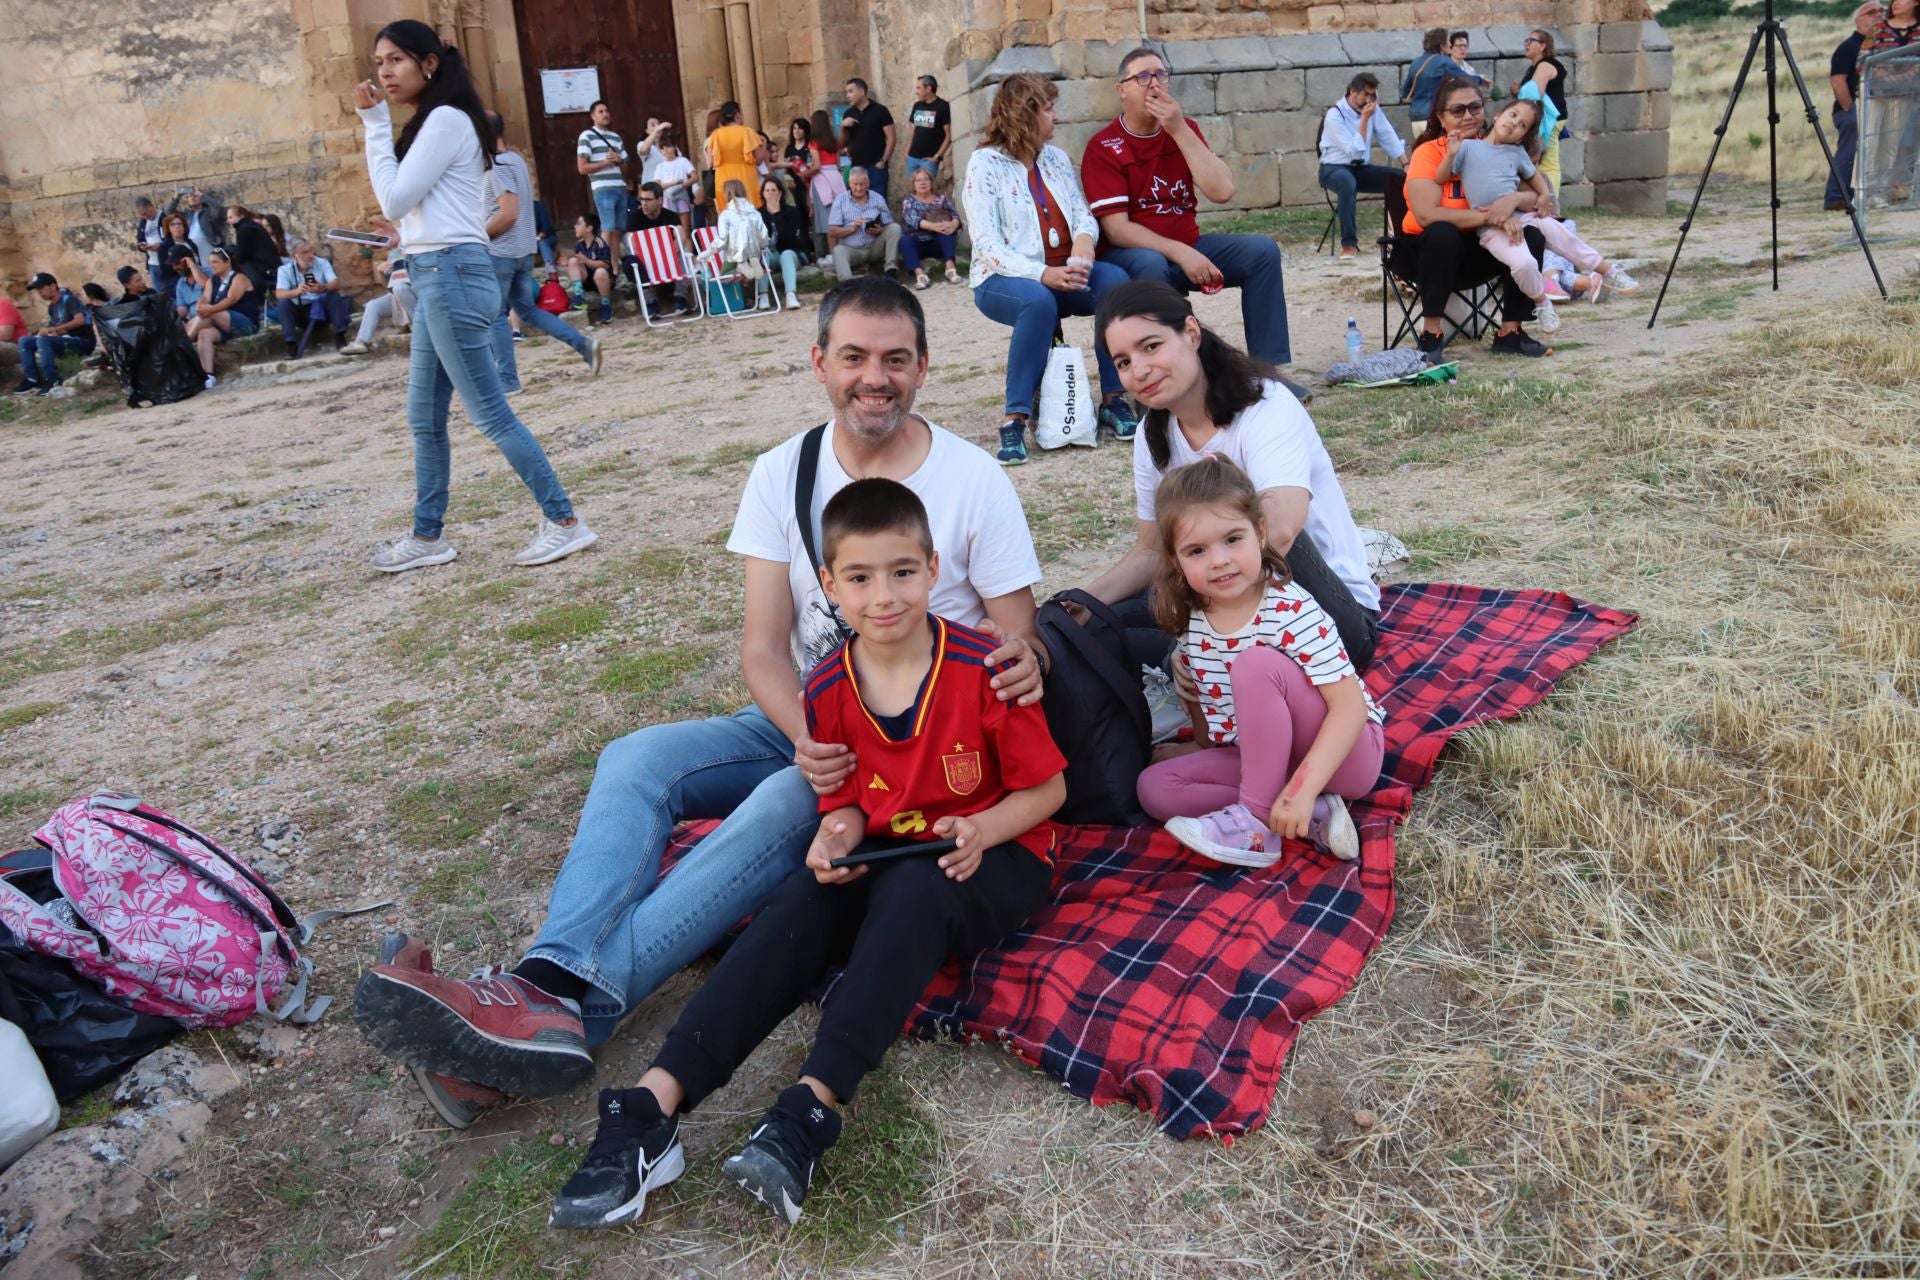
(1144,175)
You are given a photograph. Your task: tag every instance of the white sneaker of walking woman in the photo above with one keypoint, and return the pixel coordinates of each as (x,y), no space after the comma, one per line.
(413,553)
(554,541)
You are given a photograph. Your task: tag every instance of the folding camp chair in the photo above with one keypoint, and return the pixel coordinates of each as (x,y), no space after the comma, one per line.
(1479,293)
(659,253)
(1327,240)
(707,271)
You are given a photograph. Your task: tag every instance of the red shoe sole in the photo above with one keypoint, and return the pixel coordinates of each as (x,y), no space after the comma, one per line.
(411,1025)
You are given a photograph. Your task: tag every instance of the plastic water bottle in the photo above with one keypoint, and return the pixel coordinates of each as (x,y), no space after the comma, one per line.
(1354,343)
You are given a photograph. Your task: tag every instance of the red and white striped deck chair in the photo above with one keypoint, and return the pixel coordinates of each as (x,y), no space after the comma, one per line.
(708,269)
(658,257)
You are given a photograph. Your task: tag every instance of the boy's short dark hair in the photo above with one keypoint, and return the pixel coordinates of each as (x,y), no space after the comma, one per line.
(593,222)
(872,506)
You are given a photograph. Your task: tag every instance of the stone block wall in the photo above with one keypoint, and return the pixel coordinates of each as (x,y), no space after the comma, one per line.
(1259,99)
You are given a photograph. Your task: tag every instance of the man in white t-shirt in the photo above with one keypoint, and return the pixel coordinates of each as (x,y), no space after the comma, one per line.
(601,156)
(613,935)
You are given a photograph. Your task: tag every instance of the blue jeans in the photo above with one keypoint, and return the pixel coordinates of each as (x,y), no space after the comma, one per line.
(39,356)
(789,264)
(1846,142)
(916,163)
(546,251)
(1346,181)
(914,243)
(1035,311)
(456,301)
(515,278)
(877,179)
(611,204)
(332,307)
(608,922)
(1250,264)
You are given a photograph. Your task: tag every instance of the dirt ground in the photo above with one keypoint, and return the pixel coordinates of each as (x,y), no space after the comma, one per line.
(185,612)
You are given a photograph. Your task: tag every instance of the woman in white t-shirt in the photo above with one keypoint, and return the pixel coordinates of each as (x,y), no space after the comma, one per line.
(431,183)
(1204,396)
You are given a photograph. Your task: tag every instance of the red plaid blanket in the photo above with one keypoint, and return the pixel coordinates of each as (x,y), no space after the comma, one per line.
(1179,985)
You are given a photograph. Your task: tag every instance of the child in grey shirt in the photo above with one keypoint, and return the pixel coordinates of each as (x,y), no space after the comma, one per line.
(1498,166)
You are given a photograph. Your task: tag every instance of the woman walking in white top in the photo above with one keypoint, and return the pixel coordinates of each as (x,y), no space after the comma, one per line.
(430,183)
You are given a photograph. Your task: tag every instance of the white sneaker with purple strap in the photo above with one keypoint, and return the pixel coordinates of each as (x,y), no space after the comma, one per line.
(1234,836)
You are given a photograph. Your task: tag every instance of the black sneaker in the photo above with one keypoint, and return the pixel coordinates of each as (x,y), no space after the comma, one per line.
(776,1166)
(1433,348)
(1518,343)
(635,1151)
(1303,394)
(27,388)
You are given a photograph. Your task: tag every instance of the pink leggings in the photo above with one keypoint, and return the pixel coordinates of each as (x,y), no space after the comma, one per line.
(1519,259)
(1280,714)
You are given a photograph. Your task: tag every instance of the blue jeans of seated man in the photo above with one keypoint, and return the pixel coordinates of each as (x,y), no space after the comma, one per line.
(515,277)
(1846,144)
(1346,181)
(456,301)
(1034,311)
(332,307)
(1250,264)
(611,204)
(39,356)
(608,921)
(935,245)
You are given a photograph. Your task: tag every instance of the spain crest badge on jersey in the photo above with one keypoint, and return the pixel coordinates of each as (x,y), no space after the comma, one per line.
(963,770)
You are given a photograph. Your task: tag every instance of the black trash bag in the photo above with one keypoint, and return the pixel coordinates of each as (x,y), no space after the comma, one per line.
(148,347)
(83,1035)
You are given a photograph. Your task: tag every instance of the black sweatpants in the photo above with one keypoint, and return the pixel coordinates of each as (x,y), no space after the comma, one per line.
(1449,255)
(892,928)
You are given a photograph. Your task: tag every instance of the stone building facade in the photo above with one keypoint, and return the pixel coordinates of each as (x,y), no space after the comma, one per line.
(251,99)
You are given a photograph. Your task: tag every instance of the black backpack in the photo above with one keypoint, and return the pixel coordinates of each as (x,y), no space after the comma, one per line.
(1097,711)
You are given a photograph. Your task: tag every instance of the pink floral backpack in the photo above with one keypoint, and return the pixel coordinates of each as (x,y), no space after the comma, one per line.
(163,918)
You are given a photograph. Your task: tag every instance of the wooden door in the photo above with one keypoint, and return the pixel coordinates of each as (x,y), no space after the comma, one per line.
(631,42)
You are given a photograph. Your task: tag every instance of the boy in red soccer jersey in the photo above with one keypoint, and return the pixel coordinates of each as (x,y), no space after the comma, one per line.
(937,757)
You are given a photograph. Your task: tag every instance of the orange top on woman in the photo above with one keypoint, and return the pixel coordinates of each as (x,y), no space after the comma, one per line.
(730,148)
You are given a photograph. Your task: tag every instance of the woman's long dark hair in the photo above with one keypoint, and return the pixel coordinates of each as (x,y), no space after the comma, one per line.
(451,85)
(823,135)
(1234,378)
(1213,483)
(1448,87)
(805,127)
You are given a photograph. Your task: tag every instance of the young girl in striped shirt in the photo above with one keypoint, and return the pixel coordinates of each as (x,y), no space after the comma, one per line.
(1283,728)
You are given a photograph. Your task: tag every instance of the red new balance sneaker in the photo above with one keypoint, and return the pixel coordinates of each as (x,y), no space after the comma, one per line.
(495,1029)
(458,1102)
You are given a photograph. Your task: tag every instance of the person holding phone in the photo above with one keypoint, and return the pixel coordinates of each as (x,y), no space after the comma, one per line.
(307,286)
(431,180)
(861,229)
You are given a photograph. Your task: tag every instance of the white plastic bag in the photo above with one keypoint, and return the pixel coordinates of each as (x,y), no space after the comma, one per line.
(1066,413)
(28,1111)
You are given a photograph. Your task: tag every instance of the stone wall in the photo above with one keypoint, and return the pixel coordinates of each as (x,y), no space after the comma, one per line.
(251,99)
(1260,100)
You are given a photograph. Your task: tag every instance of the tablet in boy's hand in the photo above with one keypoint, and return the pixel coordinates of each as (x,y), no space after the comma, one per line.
(878,851)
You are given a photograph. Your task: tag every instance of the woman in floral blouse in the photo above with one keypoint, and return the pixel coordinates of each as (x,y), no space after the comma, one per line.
(1033,239)
(932,226)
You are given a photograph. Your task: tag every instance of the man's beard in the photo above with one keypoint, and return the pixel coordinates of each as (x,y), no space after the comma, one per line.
(874,425)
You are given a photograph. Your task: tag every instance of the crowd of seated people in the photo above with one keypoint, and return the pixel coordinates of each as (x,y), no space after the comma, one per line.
(819,196)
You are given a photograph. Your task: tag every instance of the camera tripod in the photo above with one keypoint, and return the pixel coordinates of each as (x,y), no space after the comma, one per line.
(1772,32)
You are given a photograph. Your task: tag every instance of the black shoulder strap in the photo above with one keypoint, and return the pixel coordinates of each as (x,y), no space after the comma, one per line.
(803,482)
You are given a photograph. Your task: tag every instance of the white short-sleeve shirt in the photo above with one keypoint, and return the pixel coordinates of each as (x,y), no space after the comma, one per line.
(979,529)
(1277,445)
